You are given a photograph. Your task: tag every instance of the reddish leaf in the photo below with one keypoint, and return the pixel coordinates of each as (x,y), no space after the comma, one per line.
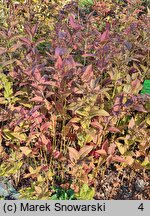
(73,154)
(117,106)
(49,83)
(38,118)
(43,139)
(109,160)
(37,86)
(60,51)
(84,151)
(105,36)
(45,126)
(2,50)
(27,71)
(71,136)
(14,23)
(75,187)
(59,107)
(118,103)
(48,104)
(59,63)
(111,149)
(37,99)
(75,47)
(97,125)
(131,123)
(105,145)
(65,186)
(27,29)
(137,165)
(140,153)
(26,41)
(118,159)
(136,86)
(37,74)
(34,29)
(88,74)
(56,154)
(73,24)
(113,129)
(66,129)
(88,55)
(140,108)
(101,152)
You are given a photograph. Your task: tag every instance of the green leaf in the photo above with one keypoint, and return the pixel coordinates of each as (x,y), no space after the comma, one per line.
(122,148)
(146,164)
(100,112)
(14,135)
(82,113)
(19,136)
(25,150)
(146,87)
(85,3)
(86,193)
(25,104)
(8,90)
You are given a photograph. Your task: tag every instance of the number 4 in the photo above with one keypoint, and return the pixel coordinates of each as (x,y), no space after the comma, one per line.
(141,207)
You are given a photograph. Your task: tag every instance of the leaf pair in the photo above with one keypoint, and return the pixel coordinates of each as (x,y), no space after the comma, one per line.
(76,155)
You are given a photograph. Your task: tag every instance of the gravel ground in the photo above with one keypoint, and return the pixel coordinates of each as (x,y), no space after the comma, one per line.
(124,185)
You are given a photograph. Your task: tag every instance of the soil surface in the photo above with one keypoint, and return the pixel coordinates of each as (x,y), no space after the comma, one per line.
(123,185)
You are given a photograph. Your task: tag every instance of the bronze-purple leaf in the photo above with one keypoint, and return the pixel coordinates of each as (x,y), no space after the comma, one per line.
(113,129)
(37,99)
(105,145)
(88,74)
(59,63)
(96,125)
(60,51)
(140,108)
(27,29)
(73,24)
(45,126)
(26,41)
(34,29)
(105,36)
(136,86)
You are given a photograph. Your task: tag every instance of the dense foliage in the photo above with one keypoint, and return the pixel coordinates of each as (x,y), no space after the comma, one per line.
(70,94)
